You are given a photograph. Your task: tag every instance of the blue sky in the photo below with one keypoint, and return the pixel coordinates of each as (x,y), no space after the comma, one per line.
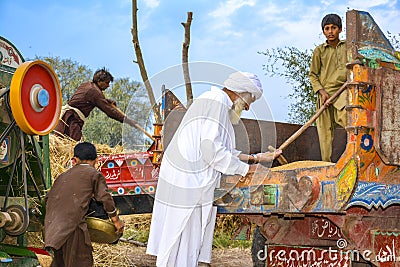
(230,32)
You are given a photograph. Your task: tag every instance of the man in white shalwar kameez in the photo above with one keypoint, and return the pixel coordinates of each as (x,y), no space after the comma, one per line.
(202,149)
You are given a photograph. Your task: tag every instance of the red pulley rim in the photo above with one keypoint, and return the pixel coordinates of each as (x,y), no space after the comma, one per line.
(35,84)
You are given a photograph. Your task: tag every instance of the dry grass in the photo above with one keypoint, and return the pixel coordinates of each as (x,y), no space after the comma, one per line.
(62,150)
(120,254)
(136,257)
(44,260)
(127,254)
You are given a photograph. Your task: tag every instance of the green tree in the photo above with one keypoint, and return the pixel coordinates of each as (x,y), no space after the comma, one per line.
(70,74)
(109,131)
(293,65)
(394,40)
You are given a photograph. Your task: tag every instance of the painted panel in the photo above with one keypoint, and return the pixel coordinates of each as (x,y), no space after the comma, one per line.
(10,59)
(386,247)
(375,195)
(324,229)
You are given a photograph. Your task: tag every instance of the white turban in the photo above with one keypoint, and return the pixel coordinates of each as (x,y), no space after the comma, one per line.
(241,82)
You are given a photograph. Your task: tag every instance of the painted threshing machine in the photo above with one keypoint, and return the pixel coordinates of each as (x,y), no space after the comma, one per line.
(348,211)
(308,212)
(30,105)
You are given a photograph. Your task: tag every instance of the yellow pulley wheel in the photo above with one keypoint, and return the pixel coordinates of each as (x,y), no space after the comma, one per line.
(35,97)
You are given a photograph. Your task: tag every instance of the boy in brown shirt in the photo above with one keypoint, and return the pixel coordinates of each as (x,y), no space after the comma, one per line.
(67,203)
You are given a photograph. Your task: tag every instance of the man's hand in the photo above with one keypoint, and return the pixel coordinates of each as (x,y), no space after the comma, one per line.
(256,174)
(324,96)
(118,224)
(255,168)
(268,156)
(112,102)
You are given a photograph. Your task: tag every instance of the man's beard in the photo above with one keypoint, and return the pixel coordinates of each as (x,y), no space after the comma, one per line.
(236,111)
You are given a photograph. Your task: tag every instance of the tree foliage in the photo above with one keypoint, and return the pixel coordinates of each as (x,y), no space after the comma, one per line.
(70,74)
(293,65)
(394,39)
(98,128)
(104,130)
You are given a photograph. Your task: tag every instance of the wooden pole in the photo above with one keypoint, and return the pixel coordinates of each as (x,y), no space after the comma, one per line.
(185,56)
(140,62)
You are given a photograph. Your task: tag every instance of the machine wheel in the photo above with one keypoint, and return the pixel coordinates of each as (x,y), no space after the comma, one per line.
(35,97)
(19,222)
(258,245)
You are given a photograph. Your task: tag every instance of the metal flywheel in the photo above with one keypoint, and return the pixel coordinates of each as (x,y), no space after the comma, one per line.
(35,97)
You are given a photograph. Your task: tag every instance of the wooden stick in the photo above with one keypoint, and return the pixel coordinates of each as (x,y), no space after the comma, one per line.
(185,66)
(313,118)
(136,125)
(140,128)
(281,159)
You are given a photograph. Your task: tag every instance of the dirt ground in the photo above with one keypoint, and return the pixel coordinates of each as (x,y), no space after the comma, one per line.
(131,255)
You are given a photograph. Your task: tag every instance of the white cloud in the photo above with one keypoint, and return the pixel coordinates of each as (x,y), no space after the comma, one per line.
(274,18)
(222,13)
(327,2)
(152,3)
(294,25)
(230,6)
(366,4)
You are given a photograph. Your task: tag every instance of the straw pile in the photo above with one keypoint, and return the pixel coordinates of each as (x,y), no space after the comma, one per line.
(62,150)
(127,253)
(130,254)
(229,224)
